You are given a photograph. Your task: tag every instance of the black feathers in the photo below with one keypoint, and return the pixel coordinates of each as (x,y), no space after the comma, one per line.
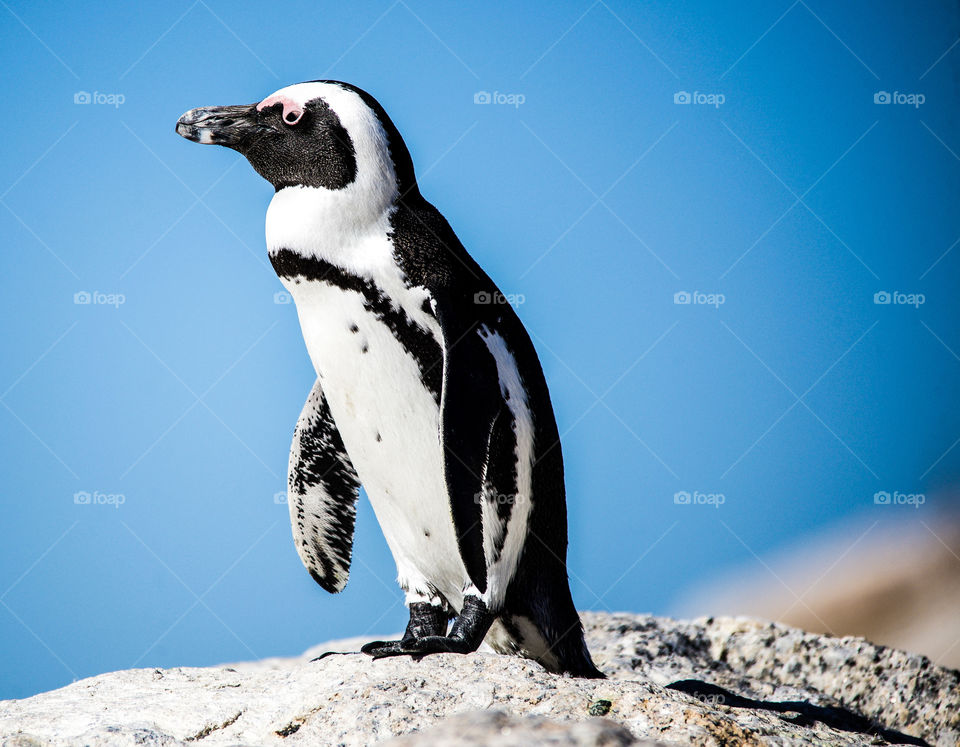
(417,341)
(322,491)
(315,152)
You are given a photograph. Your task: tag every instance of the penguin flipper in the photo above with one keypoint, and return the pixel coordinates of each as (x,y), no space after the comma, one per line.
(322,491)
(470,404)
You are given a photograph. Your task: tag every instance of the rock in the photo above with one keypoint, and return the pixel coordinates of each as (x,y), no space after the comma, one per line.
(894,582)
(711,681)
(497,727)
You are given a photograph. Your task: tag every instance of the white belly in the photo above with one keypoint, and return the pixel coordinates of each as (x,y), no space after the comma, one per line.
(389,423)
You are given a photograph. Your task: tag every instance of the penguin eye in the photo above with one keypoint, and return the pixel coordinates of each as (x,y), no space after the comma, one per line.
(291,115)
(291,111)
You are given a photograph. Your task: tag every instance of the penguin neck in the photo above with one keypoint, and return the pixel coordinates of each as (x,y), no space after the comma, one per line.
(345,227)
(335,225)
(330,225)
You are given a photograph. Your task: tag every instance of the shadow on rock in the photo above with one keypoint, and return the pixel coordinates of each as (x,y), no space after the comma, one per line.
(807,713)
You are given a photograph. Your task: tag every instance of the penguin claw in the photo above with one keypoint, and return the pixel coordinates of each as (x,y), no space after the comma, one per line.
(381,649)
(325,654)
(440,644)
(388,653)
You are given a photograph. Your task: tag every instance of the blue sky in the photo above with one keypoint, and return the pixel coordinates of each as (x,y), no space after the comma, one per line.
(783,197)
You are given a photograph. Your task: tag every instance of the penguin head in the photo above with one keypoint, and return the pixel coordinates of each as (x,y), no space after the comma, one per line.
(322,135)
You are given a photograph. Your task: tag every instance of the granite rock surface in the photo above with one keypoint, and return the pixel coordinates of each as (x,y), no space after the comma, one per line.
(710,681)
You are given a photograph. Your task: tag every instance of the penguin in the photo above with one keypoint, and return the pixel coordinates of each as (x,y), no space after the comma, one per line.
(429,392)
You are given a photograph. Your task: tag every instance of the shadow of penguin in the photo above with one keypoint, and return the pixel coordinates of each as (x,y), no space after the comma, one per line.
(807,714)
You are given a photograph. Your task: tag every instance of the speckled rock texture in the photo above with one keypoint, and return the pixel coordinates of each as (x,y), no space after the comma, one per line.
(723,681)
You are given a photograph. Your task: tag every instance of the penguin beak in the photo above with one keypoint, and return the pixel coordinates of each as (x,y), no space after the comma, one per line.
(231,126)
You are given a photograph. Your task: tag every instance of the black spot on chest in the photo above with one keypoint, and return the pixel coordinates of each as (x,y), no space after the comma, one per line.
(419,343)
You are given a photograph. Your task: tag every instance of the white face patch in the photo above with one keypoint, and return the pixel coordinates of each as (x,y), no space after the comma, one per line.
(325,223)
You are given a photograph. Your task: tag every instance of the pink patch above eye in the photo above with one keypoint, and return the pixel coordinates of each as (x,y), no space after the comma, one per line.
(292,111)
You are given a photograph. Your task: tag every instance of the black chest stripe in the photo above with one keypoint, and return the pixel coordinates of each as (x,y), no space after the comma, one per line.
(415,340)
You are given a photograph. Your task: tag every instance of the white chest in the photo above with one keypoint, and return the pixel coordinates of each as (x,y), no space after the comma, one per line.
(388,418)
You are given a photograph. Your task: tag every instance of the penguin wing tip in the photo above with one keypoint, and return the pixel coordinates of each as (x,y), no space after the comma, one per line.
(334,585)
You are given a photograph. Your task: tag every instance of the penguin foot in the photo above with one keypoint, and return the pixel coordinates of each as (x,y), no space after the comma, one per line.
(468,632)
(420,647)
(426,621)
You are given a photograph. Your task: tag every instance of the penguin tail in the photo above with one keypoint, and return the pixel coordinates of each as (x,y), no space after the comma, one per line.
(571,652)
(549,631)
